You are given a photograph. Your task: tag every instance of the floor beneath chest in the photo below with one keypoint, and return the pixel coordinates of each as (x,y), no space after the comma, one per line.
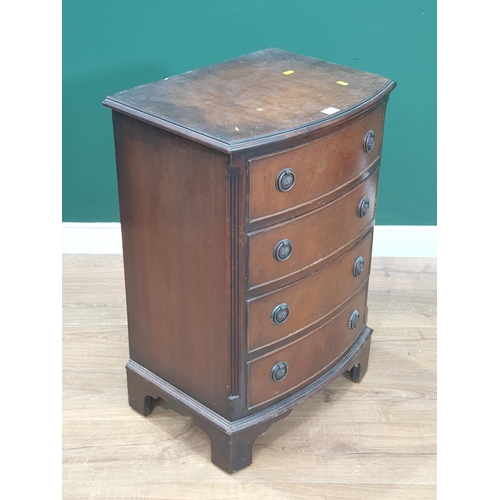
(373,440)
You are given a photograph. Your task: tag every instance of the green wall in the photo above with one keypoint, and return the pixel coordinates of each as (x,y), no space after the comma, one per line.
(111,45)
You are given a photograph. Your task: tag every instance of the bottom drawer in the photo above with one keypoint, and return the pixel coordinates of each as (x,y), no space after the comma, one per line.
(281,371)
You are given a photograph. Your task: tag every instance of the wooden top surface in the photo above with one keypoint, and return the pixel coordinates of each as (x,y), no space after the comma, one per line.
(267,93)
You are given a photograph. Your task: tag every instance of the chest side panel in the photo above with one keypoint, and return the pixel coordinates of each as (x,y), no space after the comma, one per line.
(175,233)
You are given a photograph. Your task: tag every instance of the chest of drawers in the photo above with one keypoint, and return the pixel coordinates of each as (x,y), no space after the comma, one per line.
(247,195)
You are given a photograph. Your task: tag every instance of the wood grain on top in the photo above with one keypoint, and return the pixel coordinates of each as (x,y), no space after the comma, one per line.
(265,93)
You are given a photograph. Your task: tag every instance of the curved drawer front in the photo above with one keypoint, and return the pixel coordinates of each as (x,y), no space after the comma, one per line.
(313,236)
(301,361)
(308,300)
(319,167)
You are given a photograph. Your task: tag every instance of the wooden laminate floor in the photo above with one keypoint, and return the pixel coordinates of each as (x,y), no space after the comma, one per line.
(374,440)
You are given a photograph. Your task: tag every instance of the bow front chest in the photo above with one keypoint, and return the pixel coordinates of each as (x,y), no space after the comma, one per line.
(247,195)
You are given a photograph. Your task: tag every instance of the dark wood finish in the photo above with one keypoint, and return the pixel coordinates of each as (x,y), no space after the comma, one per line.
(315,237)
(309,300)
(321,167)
(359,364)
(197,158)
(232,452)
(230,105)
(281,217)
(175,258)
(306,357)
(231,443)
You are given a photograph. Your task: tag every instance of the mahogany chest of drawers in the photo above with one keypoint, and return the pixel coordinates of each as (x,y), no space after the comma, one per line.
(247,195)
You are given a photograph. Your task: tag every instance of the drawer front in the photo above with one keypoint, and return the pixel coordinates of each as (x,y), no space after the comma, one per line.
(318,168)
(312,237)
(276,315)
(306,358)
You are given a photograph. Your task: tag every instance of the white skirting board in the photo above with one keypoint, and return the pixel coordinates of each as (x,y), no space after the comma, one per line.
(388,241)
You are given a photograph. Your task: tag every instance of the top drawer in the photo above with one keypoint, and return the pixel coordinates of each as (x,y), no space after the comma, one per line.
(315,169)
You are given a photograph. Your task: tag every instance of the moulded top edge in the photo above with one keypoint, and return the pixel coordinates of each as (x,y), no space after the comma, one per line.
(256,99)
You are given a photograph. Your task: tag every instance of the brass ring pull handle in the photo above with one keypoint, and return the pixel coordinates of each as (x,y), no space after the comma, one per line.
(354,320)
(359,265)
(369,141)
(280,314)
(283,250)
(279,371)
(364,205)
(285,180)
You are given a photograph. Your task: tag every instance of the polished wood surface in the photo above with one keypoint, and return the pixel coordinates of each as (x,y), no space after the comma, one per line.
(309,300)
(251,96)
(192,258)
(374,440)
(321,167)
(176,248)
(315,236)
(306,357)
